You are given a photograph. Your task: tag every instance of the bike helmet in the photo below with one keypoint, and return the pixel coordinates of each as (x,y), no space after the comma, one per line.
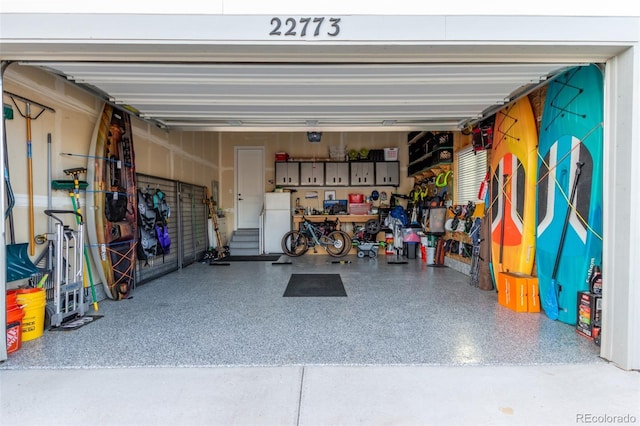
(448,225)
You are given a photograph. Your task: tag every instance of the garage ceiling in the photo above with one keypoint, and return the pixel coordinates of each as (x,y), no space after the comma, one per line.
(308,96)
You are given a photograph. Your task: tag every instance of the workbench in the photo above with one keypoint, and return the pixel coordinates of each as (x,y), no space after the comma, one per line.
(343,218)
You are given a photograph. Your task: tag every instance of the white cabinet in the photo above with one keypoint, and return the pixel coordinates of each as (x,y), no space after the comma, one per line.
(311,174)
(336,174)
(362,173)
(388,173)
(287,173)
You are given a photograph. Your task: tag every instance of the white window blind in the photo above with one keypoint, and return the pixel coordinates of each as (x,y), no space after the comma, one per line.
(471,169)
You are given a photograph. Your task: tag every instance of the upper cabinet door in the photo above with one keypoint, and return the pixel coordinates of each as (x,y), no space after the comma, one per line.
(388,173)
(336,174)
(362,173)
(287,173)
(311,174)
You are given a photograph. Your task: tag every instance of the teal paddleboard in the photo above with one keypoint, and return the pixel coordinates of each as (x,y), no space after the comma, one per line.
(570,133)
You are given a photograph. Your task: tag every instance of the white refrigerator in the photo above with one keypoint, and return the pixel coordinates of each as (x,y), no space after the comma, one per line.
(277,220)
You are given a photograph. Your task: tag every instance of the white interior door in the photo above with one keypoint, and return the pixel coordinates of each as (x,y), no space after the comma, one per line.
(249,186)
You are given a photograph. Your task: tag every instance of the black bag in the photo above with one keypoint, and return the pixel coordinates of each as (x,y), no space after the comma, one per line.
(115,208)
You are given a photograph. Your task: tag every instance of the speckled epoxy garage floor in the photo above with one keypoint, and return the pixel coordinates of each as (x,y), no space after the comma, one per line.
(236,316)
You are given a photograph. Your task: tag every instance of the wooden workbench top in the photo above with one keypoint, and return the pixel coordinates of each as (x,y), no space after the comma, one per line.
(352,218)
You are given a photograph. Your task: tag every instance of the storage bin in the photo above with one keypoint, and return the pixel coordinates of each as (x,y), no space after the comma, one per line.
(391,154)
(337,153)
(410,235)
(410,250)
(443,140)
(443,155)
(359,208)
(518,292)
(356,198)
(376,155)
(282,156)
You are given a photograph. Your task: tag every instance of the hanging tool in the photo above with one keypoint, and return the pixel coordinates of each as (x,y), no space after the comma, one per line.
(32,248)
(49,203)
(11,199)
(29,118)
(18,263)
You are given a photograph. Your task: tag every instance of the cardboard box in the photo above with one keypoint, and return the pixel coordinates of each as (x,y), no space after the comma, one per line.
(589,314)
(518,292)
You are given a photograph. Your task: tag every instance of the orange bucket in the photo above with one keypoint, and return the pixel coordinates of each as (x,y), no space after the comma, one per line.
(12,298)
(14,322)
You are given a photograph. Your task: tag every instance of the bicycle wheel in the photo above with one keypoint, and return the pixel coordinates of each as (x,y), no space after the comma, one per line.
(337,243)
(294,244)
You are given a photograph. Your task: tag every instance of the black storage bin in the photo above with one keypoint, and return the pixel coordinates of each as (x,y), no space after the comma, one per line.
(410,250)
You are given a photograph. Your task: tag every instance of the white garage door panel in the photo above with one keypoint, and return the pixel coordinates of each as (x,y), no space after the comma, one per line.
(250,95)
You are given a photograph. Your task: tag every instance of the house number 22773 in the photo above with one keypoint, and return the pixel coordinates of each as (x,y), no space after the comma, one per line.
(305,27)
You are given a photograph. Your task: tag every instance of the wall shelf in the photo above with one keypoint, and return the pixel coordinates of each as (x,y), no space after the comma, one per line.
(430,152)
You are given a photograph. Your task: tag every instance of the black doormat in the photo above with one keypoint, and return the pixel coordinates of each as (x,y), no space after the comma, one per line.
(315,285)
(76,323)
(258,258)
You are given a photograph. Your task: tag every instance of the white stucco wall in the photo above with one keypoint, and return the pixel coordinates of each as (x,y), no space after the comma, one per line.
(398,7)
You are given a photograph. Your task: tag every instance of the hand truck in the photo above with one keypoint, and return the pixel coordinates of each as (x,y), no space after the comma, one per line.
(69,297)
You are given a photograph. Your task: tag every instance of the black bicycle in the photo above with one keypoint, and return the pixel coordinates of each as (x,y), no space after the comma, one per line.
(336,242)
